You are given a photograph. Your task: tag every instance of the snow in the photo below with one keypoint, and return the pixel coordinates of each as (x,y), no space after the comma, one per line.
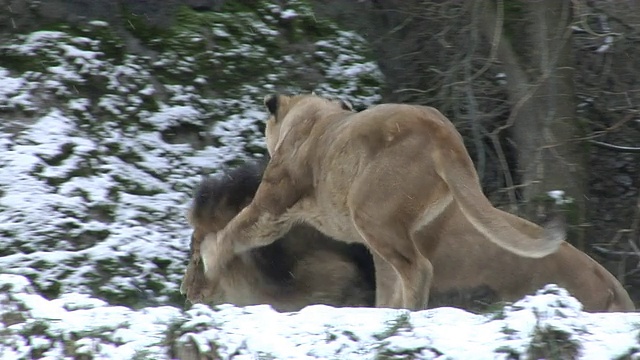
(315,332)
(169,116)
(319,331)
(75,315)
(288,14)
(560,197)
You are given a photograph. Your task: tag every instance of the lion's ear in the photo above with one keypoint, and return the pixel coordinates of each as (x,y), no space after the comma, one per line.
(271,103)
(346,105)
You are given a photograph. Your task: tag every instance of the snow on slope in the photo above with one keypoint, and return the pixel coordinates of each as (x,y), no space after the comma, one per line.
(100,148)
(548,325)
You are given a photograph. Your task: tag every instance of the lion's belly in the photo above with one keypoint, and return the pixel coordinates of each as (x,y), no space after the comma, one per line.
(329,218)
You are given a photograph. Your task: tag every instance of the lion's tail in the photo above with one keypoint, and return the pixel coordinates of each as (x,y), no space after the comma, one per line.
(515,234)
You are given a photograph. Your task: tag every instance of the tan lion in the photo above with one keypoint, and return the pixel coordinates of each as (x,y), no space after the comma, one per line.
(469,273)
(302,268)
(381,177)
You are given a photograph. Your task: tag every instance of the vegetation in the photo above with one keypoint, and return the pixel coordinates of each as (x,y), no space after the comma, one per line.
(116,135)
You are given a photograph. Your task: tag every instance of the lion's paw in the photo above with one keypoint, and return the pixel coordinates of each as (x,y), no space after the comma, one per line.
(209,251)
(215,255)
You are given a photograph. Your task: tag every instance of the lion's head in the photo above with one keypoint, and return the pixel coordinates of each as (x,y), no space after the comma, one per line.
(215,202)
(279,106)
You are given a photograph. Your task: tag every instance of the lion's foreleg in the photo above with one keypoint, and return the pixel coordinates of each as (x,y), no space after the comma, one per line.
(264,229)
(250,229)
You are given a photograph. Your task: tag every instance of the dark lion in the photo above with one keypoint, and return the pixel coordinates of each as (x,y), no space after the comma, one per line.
(302,268)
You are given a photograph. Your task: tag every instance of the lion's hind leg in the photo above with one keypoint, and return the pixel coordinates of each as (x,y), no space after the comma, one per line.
(387,279)
(391,243)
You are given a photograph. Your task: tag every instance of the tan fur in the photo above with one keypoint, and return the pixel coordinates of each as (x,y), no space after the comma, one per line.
(465,264)
(381,177)
(321,273)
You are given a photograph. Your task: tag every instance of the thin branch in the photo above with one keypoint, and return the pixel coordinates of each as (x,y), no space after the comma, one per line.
(613,254)
(495,42)
(504,165)
(617,148)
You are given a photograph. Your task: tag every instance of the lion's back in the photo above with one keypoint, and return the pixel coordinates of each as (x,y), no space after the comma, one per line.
(384,125)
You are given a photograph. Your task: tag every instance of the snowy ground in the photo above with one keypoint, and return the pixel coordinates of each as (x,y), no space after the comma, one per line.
(548,325)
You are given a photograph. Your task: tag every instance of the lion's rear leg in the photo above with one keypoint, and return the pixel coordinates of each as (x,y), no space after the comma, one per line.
(387,279)
(413,271)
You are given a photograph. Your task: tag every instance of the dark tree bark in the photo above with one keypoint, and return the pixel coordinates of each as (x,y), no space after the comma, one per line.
(540,87)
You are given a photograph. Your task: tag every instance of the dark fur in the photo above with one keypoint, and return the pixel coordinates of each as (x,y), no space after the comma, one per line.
(235,187)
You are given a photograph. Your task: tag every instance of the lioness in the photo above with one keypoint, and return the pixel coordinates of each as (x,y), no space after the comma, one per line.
(302,268)
(469,273)
(381,177)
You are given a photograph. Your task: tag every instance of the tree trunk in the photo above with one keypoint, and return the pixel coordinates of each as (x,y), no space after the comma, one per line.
(542,122)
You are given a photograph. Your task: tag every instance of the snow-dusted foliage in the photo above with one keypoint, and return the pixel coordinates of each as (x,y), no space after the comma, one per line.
(549,325)
(101,143)
(77,326)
